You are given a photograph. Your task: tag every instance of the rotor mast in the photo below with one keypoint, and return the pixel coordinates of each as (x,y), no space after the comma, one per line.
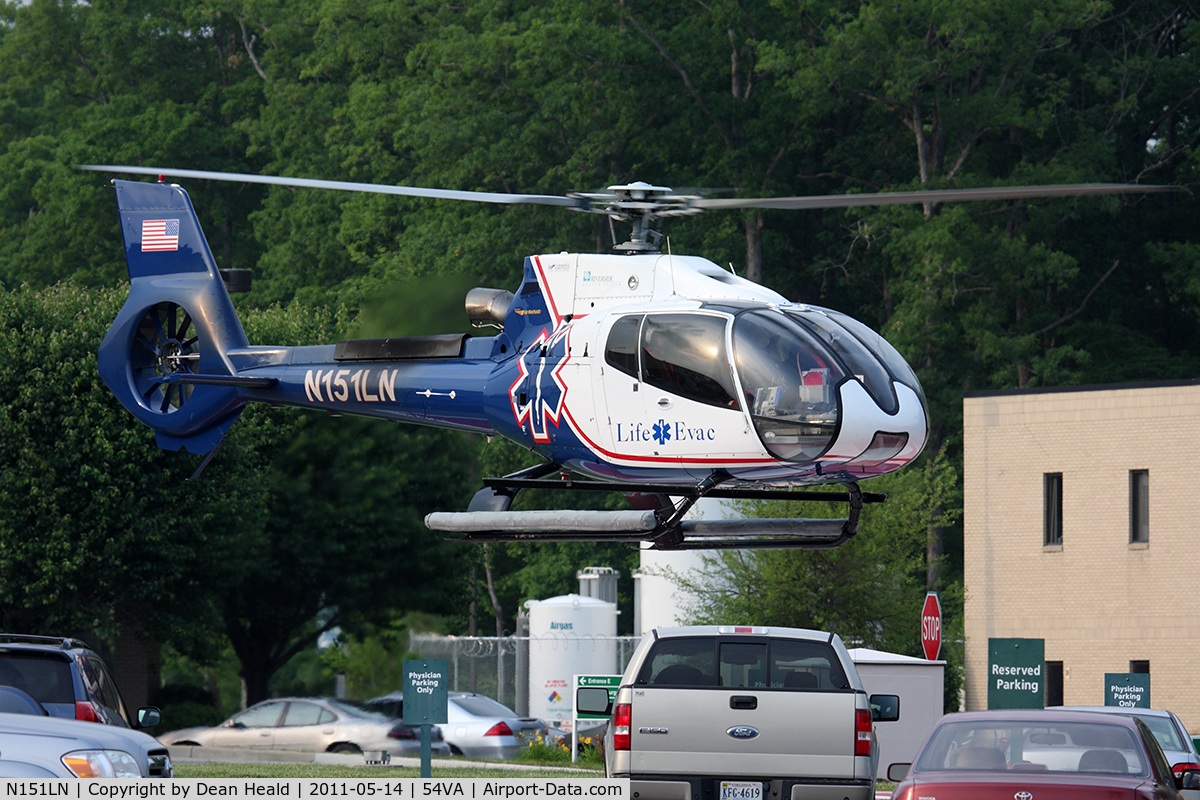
(641,205)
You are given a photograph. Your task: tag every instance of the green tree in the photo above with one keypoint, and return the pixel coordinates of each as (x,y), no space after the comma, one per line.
(340,538)
(336,538)
(141,82)
(98,527)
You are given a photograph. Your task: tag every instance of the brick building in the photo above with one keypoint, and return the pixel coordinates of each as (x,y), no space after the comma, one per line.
(1081,516)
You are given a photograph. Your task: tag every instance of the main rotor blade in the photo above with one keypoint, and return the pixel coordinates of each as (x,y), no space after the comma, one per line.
(346,186)
(927,196)
(582,202)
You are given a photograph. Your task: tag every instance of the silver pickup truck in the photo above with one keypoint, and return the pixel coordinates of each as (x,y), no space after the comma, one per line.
(741,713)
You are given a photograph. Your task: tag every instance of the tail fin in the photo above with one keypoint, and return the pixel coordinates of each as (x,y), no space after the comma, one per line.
(178,321)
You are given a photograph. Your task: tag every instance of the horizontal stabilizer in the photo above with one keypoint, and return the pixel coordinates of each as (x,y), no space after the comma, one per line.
(200,443)
(217,380)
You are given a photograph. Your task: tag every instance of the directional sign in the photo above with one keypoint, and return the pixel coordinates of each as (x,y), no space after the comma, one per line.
(931,626)
(610,683)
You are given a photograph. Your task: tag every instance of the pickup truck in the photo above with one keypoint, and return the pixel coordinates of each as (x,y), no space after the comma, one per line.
(741,713)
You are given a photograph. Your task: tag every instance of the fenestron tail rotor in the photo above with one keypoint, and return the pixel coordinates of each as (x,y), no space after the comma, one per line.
(164,349)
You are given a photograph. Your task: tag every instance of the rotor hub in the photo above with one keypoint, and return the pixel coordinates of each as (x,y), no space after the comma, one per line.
(173,356)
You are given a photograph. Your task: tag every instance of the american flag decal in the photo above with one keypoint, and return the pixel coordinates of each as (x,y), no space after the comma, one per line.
(160,234)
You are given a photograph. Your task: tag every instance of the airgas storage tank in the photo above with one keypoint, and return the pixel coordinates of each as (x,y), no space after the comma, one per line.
(568,636)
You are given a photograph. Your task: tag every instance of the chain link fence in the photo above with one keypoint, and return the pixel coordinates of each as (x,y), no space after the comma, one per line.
(498,666)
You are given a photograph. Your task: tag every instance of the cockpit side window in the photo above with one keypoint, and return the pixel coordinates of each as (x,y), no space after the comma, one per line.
(622,349)
(685,354)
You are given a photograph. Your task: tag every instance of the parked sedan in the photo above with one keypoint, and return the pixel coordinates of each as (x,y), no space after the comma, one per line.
(1177,745)
(35,745)
(311,724)
(1067,755)
(477,726)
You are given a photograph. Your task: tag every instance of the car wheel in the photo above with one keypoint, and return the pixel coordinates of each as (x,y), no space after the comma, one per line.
(454,751)
(344,747)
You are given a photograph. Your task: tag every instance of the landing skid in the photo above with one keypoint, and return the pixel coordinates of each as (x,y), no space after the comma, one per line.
(656,518)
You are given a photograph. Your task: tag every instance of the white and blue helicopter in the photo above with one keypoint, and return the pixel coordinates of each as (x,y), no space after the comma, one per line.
(659,376)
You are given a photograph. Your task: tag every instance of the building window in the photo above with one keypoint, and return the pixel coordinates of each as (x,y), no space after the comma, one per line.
(1054,683)
(1139,506)
(1139,667)
(1052,488)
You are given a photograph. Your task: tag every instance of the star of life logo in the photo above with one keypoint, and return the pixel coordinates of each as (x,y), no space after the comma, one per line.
(538,395)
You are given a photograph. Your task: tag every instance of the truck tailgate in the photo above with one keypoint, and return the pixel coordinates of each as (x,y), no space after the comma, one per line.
(711,731)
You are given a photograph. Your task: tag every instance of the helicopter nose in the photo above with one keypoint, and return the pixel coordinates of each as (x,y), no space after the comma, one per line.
(870,438)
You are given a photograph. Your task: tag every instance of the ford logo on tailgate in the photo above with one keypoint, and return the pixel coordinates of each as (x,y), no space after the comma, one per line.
(742,732)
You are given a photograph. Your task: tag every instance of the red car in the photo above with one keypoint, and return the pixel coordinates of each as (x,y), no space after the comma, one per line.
(1039,755)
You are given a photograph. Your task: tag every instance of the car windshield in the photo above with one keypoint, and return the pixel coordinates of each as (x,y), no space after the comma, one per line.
(999,745)
(482,706)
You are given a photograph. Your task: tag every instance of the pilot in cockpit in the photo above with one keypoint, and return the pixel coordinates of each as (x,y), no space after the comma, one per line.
(799,383)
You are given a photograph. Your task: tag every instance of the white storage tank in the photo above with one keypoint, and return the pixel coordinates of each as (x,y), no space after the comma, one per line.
(568,636)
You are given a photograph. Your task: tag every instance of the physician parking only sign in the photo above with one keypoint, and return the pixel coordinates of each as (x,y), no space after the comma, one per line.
(425,691)
(1127,689)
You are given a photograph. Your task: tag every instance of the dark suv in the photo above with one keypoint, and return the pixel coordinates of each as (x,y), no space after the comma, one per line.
(68,679)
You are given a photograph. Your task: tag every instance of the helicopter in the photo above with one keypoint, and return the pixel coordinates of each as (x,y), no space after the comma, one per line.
(656,375)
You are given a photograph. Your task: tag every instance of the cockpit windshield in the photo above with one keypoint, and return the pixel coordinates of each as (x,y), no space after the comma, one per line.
(895,362)
(789,380)
(862,362)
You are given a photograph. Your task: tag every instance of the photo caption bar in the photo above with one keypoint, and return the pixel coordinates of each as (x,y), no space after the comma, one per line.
(305,788)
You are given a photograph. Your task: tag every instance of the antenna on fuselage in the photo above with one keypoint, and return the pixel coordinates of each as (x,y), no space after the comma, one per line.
(671,264)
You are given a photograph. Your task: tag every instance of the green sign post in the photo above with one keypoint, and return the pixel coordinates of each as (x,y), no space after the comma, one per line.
(1016,673)
(426,689)
(609,682)
(1127,689)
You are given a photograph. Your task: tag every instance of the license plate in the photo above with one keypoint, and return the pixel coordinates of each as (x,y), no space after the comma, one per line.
(741,790)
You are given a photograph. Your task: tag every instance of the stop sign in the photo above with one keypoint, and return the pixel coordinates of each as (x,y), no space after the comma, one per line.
(931,626)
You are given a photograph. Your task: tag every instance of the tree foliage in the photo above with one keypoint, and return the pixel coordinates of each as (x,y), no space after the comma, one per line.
(97,526)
